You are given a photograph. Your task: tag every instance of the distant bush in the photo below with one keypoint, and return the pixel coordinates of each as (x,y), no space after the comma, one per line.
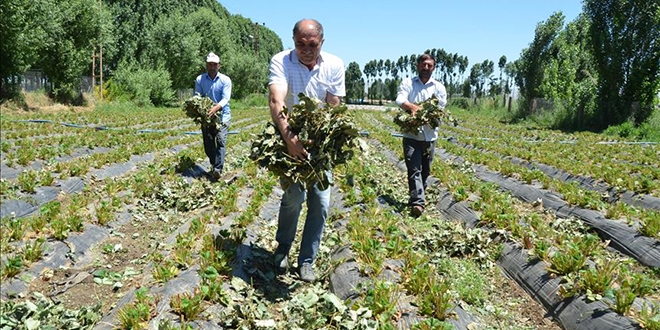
(255,100)
(144,87)
(460,102)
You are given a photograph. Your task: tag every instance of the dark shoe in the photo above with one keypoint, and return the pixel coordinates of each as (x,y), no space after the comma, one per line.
(281,261)
(215,174)
(416,211)
(307,273)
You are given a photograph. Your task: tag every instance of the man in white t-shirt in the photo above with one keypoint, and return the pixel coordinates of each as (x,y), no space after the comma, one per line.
(419,147)
(317,74)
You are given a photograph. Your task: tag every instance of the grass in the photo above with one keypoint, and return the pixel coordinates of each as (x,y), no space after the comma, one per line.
(649,131)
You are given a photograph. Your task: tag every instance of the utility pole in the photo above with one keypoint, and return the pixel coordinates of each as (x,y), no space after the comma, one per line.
(98,56)
(256,38)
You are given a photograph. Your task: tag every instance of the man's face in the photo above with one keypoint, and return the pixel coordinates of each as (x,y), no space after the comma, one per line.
(212,68)
(308,46)
(425,68)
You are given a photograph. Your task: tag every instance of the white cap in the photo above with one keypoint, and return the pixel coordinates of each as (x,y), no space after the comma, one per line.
(212,58)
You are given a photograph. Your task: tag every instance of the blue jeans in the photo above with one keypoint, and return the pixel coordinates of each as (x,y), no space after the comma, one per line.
(418,156)
(215,141)
(318,202)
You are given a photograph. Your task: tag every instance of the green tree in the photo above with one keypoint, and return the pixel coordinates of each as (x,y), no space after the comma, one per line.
(625,38)
(72,33)
(533,59)
(248,74)
(181,58)
(354,83)
(21,38)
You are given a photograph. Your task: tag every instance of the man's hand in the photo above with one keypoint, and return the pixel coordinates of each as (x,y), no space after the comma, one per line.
(295,147)
(413,109)
(213,110)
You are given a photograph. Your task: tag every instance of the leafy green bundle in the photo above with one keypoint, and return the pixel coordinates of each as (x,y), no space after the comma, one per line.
(197,108)
(329,135)
(429,113)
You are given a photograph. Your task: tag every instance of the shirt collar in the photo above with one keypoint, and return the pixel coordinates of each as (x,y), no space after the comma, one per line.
(217,76)
(431,80)
(294,59)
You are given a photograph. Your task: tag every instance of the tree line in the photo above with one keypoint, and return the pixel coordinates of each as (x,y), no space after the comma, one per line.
(601,69)
(150,48)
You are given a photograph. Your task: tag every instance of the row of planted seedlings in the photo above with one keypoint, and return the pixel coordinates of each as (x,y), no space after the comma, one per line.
(69,213)
(215,292)
(110,115)
(43,128)
(647,221)
(639,174)
(215,259)
(158,185)
(25,151)
(567,247)
(631,166)
(310,307)
(124,149)
(442,265)
(47,149)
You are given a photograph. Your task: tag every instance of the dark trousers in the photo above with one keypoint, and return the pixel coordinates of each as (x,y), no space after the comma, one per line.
(418,156)
(215,142)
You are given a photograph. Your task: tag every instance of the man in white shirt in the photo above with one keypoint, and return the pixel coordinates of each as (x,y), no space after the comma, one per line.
(419,148)
(320,75)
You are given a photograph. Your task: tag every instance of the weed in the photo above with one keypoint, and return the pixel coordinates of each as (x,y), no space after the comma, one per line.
(46,178)
(381,297)
(11,267)
(541,249)
(639,283)
(137,314)
(649,316)
(50,210)
(433,324)
(599,279)
(188,305)
(437,300)
(59,228)
(16,228)
(105,213)
(165,271)
(623,299)
(7,190)
(650,224)
(419,278)
(27,180)
(33,252)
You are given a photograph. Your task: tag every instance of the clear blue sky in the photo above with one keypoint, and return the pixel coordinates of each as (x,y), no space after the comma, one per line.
(364,30)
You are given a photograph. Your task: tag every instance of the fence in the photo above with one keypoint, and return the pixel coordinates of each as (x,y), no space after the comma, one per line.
(35,80)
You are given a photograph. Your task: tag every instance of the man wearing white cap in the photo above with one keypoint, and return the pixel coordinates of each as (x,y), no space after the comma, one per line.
(217,87)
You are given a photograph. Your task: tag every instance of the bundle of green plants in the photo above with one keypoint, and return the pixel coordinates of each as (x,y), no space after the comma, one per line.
(328,134)
(428,114)
(197,108)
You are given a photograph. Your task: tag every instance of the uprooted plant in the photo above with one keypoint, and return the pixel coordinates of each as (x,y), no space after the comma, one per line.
(329,135)
(428,114)
(196,108)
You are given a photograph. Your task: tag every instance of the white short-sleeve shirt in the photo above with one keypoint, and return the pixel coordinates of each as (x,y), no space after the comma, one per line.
(414,91)
(327,76)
